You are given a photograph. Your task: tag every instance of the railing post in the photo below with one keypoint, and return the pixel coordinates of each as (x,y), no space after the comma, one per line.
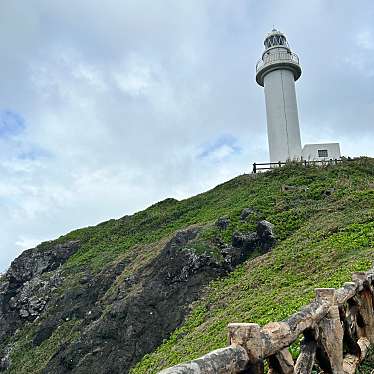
(330,333)
(308,346)
(365,298)
(254,168)
(248,336)
(281,363)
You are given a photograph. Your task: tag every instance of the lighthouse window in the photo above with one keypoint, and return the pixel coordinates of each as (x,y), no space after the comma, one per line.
(275,40)
(323,153)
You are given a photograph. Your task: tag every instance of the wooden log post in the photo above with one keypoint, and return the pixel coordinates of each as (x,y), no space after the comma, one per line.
(281,363)
(365,304)
(348,315)
(248,336)
(306,359)
(351,362)
(330,333)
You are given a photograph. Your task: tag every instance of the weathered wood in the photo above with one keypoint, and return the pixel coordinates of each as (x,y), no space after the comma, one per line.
(370,275)
(366,308)
(306,359)
(228,360)
(351,362)
(321,323)
(331,332)
(348,316)
(279,335)
(247,335)
(281,363)
(359,278)
(346,292)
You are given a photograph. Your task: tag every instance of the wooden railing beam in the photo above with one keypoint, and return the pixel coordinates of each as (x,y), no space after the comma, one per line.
(221,361)
(279,335)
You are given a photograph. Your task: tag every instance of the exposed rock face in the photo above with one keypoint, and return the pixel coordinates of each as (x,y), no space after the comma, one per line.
(117,328)
(265,232)
(222,223)
(25,291)
(5,360)
(248,241)
(145,309)
(234,256)
(32,297)
(37,261)
(263,238)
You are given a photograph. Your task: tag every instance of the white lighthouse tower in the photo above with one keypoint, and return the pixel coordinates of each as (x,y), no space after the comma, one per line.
(277,72)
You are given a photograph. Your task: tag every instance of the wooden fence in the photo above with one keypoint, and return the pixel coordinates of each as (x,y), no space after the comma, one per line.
(337,330)
(272,165)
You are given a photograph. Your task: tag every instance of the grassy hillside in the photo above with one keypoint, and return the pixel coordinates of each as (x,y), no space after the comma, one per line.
(325,239)
(325,232)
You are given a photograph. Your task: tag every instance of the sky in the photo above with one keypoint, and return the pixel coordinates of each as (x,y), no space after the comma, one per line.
(108,108)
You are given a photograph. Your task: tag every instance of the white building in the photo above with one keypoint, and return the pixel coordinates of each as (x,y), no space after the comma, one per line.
(323,151)
(277,71)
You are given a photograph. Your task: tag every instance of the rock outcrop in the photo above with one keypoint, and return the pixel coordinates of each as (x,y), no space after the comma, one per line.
(144,310)
(223,223)
(27,287)
(266,236)
(118,328)
(263,238)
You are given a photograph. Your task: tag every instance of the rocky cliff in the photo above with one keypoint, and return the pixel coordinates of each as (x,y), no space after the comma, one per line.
(118,328)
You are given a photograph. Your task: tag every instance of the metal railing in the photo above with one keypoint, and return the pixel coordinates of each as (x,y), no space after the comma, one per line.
(277,57)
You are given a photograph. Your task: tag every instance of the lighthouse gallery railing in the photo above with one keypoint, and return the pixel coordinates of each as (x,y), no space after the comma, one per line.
(270,58)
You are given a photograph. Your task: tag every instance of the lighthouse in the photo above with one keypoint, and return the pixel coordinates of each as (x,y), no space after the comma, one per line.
(277,71)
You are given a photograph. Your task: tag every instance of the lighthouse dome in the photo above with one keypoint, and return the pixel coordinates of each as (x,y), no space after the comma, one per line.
(275,38)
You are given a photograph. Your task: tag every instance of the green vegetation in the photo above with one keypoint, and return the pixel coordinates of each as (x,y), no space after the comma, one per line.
(29,359)
(368,366)
(324,238)
(325,232)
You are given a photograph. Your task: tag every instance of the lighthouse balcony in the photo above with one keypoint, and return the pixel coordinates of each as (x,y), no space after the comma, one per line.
(277,60)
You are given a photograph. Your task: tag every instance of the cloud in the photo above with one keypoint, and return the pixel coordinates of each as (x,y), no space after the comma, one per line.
(109,109)
(221,149)
(136,78)
(365,40)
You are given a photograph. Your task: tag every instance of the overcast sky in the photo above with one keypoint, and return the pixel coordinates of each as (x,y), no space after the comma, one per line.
(109,106)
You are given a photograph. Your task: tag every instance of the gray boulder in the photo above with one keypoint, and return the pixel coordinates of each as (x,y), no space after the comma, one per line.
(266,236)
(222,223)
(246,241)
